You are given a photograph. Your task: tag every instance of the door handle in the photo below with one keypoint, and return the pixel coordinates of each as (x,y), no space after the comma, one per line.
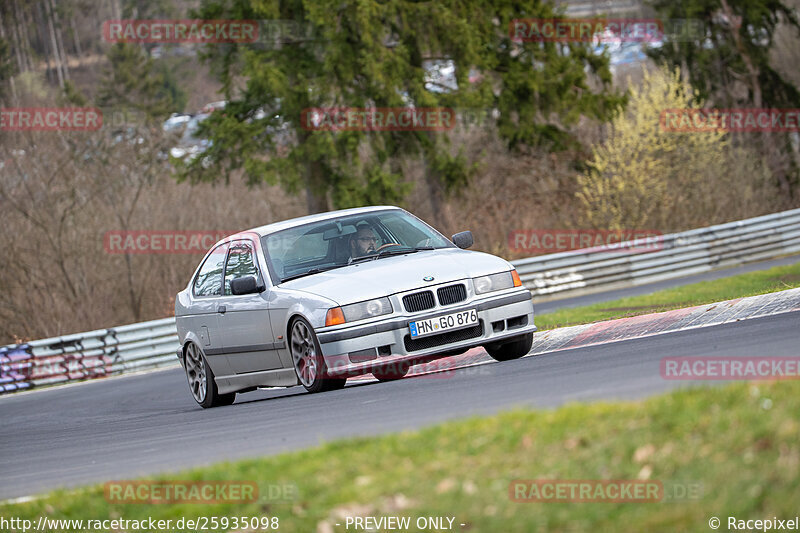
(221,309)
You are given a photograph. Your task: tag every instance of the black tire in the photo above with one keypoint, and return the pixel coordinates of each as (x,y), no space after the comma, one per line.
(201,379)
(514,349)
(392,371)
(309,364)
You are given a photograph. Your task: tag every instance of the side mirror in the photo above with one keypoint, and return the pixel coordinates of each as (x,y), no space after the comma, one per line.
(463,239)
(245,285)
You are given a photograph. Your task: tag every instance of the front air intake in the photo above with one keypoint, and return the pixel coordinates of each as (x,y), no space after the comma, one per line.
(419,301)
(441,339)
(452,294)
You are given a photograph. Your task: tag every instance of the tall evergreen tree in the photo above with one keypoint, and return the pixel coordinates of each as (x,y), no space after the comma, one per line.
(732,51)
(134,81)
(729,65)
(373,54)
(7,67)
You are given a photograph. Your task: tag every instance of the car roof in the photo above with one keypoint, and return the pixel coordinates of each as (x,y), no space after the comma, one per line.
(286,224)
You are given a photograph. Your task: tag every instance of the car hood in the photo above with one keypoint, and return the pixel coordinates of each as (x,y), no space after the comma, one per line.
(389,275)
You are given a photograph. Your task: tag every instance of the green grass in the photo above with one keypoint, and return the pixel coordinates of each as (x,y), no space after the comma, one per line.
(738,442)
(705,292)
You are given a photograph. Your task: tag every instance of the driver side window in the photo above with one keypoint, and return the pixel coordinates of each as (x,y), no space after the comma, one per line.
(240,263)
(209,279)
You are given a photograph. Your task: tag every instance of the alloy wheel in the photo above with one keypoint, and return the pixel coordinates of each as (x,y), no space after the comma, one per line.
(304,353)
(196,373)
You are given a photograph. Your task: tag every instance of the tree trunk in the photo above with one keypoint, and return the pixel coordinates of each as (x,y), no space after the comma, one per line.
(4,37)
(62,52)
(316,191)
(54,43)
(14,24)
(752,70)
(42,28)
(315,182)
(436,197)
(27,21)
(25,39)
(75,38)
(436,194)
(115,9)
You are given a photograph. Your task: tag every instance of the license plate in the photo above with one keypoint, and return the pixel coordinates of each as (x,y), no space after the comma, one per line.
(431,326)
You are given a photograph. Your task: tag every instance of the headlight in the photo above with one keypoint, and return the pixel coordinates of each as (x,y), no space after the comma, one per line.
(367,309)
(493,282)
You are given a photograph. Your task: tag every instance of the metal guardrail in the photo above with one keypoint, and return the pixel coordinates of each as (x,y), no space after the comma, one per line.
(575,272)
(588,8)
(153,344)
(88,355)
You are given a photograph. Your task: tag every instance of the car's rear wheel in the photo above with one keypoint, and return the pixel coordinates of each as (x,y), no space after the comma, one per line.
(201,380)
(309,365)
(391,371)
(513,349)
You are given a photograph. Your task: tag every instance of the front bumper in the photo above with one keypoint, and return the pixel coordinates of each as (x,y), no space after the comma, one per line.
(355,350)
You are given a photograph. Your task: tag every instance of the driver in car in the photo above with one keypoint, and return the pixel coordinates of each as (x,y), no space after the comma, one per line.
(363,242)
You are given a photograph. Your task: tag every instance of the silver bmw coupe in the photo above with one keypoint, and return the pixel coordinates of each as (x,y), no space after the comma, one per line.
(317,299)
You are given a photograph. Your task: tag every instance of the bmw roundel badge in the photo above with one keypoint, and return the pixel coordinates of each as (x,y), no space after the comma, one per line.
(427,278)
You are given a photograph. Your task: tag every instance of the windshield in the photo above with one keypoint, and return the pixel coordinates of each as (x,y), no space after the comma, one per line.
(334,243)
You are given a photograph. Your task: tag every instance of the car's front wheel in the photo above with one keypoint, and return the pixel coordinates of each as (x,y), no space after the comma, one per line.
(309,365)
(513,349)
(201,380)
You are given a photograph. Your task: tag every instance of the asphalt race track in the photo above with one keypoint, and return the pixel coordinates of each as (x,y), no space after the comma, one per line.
(131,426)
